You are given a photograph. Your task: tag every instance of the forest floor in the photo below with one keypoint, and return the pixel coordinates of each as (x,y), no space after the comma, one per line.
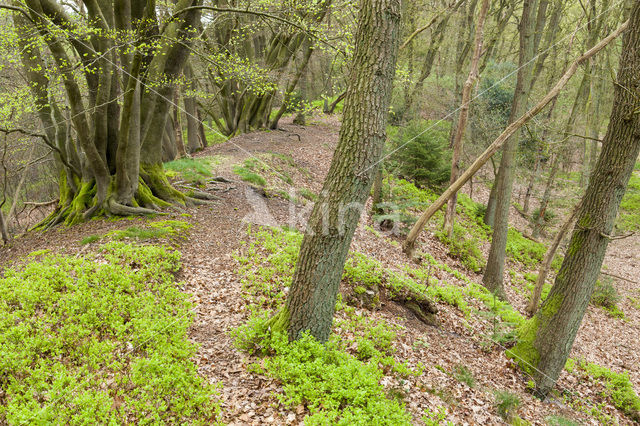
(210,274)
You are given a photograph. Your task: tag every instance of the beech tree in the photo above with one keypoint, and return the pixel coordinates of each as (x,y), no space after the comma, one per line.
(117,62)
(311,301)
(546,340)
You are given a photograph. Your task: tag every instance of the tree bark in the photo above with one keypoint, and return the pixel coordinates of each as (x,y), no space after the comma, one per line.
(546,340)
(409,244)
(532,307)
(493,276)
(464,113)
(311,301)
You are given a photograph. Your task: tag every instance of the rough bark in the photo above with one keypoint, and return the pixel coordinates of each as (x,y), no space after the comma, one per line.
(546,340)
(99,143)
(311,301)
(545,266)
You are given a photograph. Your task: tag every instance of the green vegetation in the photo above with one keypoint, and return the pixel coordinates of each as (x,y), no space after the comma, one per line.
(424,157)
(528,252)
(560,421)
(464,375)
(606,296)
(464,247)
(192,170)
(255,170)
(153,230)
(100,339)
(247,173)
(629,218)
(337,387)
(618,388)
(507,404)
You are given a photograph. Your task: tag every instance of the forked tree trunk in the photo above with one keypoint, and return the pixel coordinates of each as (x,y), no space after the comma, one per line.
(546,340)
(312,298)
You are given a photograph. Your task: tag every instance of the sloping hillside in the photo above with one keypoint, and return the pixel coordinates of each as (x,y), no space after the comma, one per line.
(385,361)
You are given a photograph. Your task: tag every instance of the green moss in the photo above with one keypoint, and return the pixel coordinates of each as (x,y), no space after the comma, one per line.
(156,179)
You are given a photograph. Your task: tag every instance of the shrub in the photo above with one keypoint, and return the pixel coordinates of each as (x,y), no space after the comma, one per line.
(605,294)
(549,216)
(424,156)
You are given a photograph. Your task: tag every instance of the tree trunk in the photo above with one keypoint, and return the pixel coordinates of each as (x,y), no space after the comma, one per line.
(462,120)
(532,307)
(311,301)
(493,275)
(546,197)
(546,340)
(376,198)
(409,244)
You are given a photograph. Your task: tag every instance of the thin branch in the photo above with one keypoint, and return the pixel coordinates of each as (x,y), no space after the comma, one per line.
(255,13)
(433,21)
(46,140)
(617,237)
(619,277)
(17,9)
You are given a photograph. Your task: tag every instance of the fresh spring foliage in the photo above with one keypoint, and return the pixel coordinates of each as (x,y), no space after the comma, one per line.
(336,386)
(153,230)
(100,339)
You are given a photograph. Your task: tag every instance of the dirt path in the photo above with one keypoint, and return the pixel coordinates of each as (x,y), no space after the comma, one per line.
(209,274)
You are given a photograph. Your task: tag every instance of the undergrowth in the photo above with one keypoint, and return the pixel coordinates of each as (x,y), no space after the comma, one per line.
(192,170)
(267,260)
(153,230)
(629,218)
(100,339)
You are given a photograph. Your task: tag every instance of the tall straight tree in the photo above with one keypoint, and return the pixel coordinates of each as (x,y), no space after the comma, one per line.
(312,298)
(493,276)
(546,340)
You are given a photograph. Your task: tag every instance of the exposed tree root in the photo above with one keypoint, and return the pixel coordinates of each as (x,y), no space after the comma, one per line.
(79,202)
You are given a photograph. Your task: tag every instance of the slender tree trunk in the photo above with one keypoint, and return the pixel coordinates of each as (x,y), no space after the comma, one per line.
(177,127)
(532,307)
(311,301)
(464,113)
(409,244)
(493,275)
(376,198)
(546,340)
(546,197)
